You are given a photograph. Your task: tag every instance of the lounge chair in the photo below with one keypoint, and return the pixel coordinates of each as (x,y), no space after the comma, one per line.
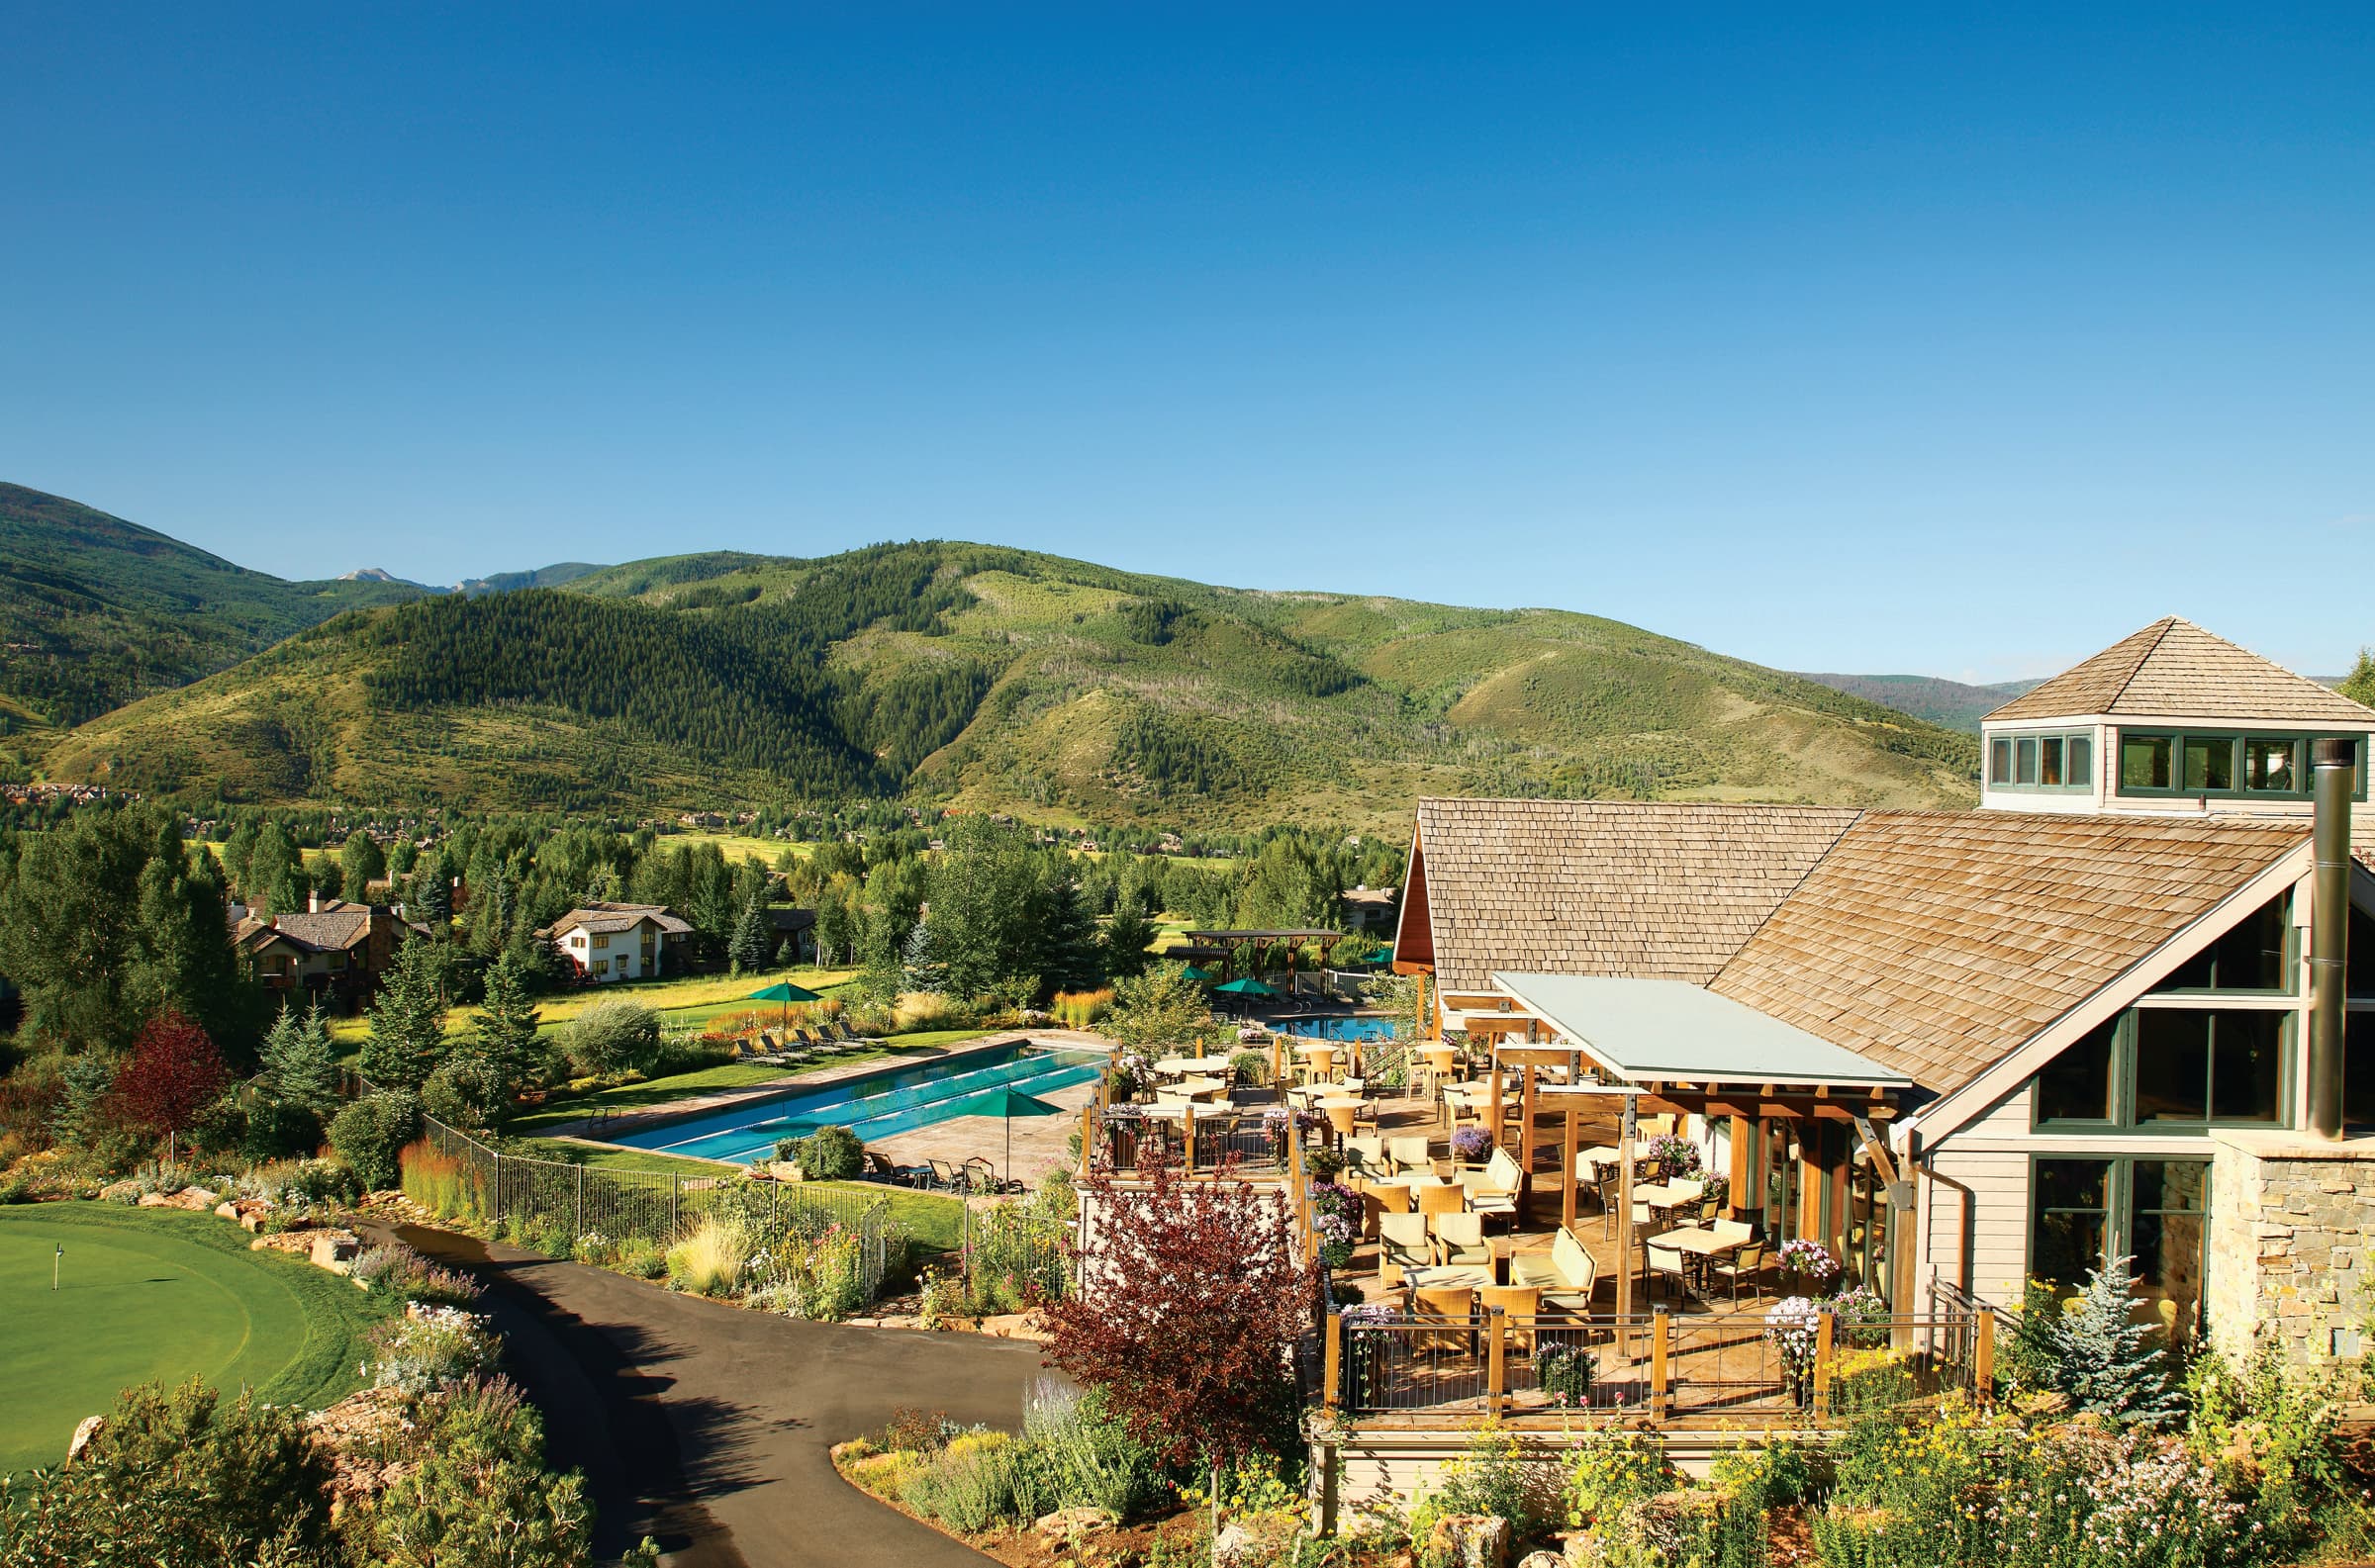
(1401,1243)
(1494,1189)
(1410,1154)
(1567,1277)
(946,1177)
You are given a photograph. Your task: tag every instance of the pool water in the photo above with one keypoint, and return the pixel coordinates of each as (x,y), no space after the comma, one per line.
(871,1104)
(1341,1026)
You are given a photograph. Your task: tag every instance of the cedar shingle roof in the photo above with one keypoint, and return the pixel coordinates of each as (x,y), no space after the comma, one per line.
(1935,942)
(1649,890)
(608,918)
(330,930)
(2174,670)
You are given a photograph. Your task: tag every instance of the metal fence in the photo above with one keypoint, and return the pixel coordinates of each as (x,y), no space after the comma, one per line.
(1013,1255)
(1727,1369)
(565,1203)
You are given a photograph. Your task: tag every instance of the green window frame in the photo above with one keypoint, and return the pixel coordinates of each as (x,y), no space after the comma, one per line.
(2223,765)
(2245,1057)
(2084,1209)
(2052,762)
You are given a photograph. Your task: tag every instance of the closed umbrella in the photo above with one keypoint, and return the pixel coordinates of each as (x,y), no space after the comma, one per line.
(786,992)
(1006,1104)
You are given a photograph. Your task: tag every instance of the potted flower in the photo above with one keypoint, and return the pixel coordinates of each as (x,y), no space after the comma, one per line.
(1806,1264)
(1794,1328)
(1471,1145)
(1335,1221)
(1677,1156)
(1322,1164)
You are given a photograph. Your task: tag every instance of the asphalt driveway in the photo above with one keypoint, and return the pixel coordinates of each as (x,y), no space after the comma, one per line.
(708,1428)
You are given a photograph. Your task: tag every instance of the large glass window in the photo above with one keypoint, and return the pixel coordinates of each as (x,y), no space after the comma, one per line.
(2071,1205)
(2048,762)
(2078,1085)
(2083,761)
(2041,762)
(2025,760)
(2209,761)
(1999,762)
(2144,761)
(2255,956)
(2358,1068)
(2203,1065)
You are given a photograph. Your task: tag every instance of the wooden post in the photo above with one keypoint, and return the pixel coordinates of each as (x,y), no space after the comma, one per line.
(1567,1197)
(1661,1372)
(1984,1357)
(1742,1136)
(1492,1114)
(1088,1137)
(1332,1365)
(1496,1364)
(1822,1366)
(1525,1144)
(1187,1122)
(1624,1212)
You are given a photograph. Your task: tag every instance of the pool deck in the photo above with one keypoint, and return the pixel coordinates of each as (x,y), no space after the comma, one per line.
(953,1140)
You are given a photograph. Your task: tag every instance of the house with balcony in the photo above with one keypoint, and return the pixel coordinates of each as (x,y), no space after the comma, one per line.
(334,951)
(610,941)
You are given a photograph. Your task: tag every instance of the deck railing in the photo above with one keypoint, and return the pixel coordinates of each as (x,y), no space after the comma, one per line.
(1726,1368)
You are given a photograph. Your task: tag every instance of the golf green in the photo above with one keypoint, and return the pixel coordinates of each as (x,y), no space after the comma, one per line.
(157,1295)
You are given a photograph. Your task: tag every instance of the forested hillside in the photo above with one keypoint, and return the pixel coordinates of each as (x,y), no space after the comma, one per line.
(1952,703)
(1002,679)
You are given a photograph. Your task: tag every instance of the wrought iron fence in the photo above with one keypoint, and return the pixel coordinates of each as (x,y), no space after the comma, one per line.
(1011,1254)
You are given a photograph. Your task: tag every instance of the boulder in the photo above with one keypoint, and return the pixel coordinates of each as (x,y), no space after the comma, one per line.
(83,1435)
(120,1192)
(1071,1524)
(1542,1559)
(1237,1547)
(334,1249)
(298,1241)
(1470,1540)
(195,1199)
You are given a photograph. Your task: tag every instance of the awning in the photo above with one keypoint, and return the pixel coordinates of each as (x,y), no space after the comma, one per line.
(1674,1032)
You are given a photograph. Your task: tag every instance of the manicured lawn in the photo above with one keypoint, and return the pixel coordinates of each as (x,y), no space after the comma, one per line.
(626,1159)
(932,1220)
(157,1295)
(681,1003)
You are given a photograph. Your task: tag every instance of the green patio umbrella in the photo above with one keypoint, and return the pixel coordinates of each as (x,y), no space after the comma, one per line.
(1247,986)
(1006,1104)
(786,992)
(1192,973)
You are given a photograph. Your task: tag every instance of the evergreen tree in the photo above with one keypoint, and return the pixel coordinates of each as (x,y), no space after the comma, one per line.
(275,882)
(2105,1359)
(1064,941)
(299,1062)
(2359,685)
(922,971)
(882,943)
(429,898)
(749,948)
(182,959)
(1124,942)
(407,1020)
(505,1033)
(360,864)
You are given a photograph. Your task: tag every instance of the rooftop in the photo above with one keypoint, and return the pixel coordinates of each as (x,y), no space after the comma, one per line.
(2174,670)
(1664,1031)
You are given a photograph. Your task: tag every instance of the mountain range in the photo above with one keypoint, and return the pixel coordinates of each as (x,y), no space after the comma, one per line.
(968,674)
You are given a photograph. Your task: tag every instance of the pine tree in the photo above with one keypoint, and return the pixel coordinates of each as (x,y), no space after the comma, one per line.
(430,897)
(360,864)
(506,1034)
(2106,1361)
(1125,940)
(408,1021)
(749,948)
(1064,942)
(2359,685)
(300,1063)
(921,969)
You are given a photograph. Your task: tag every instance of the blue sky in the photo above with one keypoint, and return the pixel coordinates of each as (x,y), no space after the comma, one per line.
(1883,339)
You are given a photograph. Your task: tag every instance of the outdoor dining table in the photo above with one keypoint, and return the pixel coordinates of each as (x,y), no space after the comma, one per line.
(1661,1197)
(1184,1066)
(1201,1088)
(1697,1240)
(1449,1277)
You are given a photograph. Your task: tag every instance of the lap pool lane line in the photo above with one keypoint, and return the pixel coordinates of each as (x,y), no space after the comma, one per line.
(709,1427)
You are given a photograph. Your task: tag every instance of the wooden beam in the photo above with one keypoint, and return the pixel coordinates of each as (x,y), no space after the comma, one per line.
(1567,1200)
(1525,1144)
(1739,1174)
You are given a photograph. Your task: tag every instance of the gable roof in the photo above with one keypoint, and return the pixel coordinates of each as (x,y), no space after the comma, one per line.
(2174,670)
(1649,890)
(1933,941)
(611,918)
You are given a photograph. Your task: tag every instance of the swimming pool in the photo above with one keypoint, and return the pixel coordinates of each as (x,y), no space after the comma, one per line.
(1340,1026)
(871,1104)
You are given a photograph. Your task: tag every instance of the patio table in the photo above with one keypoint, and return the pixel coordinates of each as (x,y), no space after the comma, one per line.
(1447,1276)
(1184,1066)
(1697,1240)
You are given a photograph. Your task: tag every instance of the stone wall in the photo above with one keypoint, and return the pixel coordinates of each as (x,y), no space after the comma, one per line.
(2290,1219)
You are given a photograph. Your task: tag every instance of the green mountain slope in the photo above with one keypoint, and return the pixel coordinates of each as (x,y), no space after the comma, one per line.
(1005,680)
(1952,704)
(96,611)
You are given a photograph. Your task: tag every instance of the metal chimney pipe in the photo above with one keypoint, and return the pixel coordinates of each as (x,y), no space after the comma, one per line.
(2332,776)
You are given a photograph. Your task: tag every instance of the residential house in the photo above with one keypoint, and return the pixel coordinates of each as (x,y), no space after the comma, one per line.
(334,951)
(609,942)
(1368,911)
(2092,998)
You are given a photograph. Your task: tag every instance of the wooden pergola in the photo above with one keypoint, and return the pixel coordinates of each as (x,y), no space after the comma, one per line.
(1665,1047)
(1226,945)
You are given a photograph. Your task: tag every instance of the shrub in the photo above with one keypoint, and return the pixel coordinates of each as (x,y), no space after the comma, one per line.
(1610,1470)
(1082,1009)
(480,1493)
(368,1132)
(1490,1479)
(431,1348)
(1090,1460)
(466,1090)
(978,1480)
(708,1263)
(1249,1069)
(614,1036)
(401,1271)
(643,1258)
(176,1479)
(829,1153)
(1564,1371)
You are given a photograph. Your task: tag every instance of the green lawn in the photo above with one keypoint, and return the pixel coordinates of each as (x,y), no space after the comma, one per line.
(933,1221)
(157,1295)
(599,1158)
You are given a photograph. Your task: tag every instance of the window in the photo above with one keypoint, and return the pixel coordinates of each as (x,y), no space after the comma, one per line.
(2078,1085)
(2269,766)
(2149,1211)
(2209,1067)
(2071,1202)
(2358,979)
(2143,762)
(2256,956)
(2223,764)
(2358,1068)
(2041,762)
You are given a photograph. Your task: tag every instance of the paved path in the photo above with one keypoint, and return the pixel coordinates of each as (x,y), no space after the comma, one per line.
(707,1427)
